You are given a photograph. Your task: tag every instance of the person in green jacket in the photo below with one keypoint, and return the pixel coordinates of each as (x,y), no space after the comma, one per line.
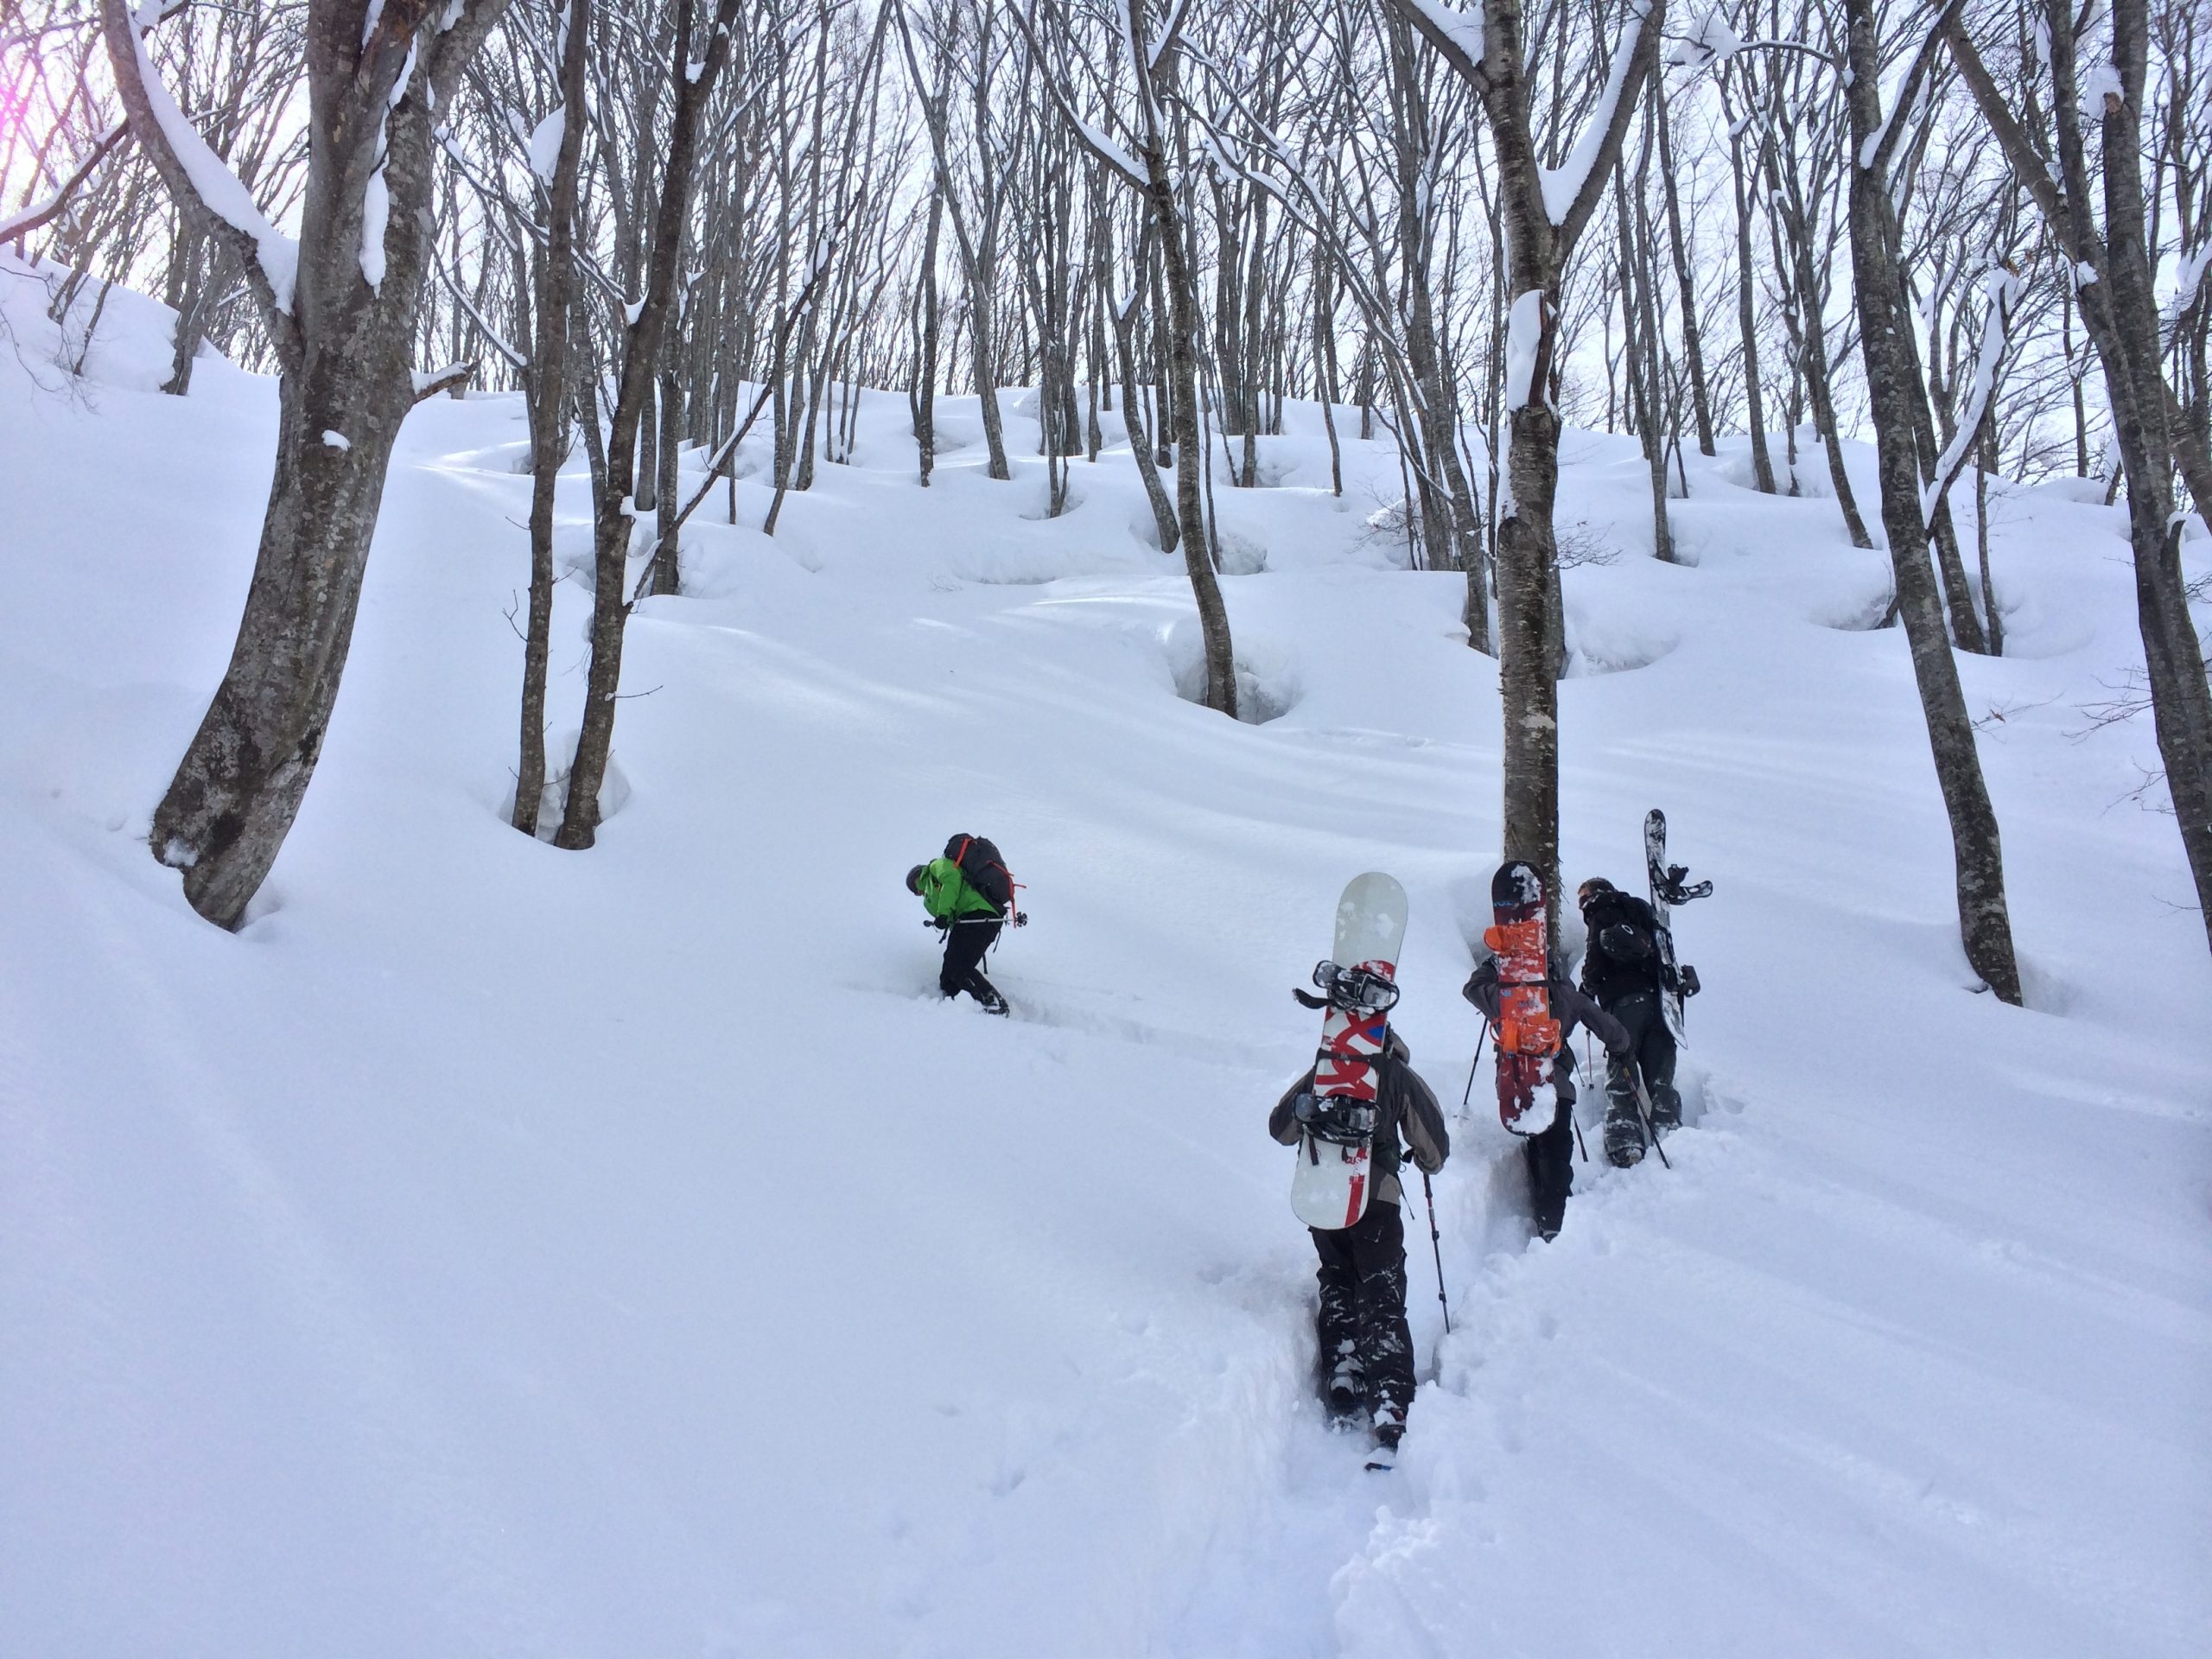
(970,924)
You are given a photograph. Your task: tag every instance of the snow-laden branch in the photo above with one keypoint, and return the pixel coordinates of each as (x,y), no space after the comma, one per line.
(1563,186)
(1095,139)
(1874,154)
(1451,31)
(2003,288)
(195,171)
(1711,41)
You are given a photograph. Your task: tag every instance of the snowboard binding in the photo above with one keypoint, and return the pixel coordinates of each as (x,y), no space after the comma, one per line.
(1350,990)
(1335,1119)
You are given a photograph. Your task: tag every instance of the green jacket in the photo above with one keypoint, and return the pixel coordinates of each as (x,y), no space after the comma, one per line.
(948,895)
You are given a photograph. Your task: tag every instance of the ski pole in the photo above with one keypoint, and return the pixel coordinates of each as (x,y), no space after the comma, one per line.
(1468,1093)
(1643,1110)
(1579,1147)
(1436,1248)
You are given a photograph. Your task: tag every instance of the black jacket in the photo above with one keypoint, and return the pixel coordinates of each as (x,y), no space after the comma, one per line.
(1623,958)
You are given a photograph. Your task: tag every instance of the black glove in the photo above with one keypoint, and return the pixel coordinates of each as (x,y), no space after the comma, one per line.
(1483,976)
(1624,942)
(1688,976)
(939,923)
(1624,1051)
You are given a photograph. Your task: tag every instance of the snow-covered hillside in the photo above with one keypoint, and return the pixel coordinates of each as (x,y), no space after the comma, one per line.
(497,1251)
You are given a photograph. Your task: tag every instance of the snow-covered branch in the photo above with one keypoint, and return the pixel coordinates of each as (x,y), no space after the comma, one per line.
(1565,186)
(201,181)
(2004,289)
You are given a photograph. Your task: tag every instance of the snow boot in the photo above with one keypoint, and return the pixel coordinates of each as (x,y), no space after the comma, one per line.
(1666,1109)
(1389,1429)
(1624,1140)
(1550,1214)
(1343,1393)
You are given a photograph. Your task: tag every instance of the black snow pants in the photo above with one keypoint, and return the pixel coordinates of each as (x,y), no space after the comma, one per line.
(1362,1318)
(1654,1055)
(1550,1157)
(965,945)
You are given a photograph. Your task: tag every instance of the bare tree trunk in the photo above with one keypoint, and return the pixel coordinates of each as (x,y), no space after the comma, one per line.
(1747,321)
(548,404)
(1190,455)
(613,511)
(1987,464)
(1165,528)
(2120,312)
(926,376)
(345,341)
(1685,278)
(1324,366)
(1529,648)
(1892,383)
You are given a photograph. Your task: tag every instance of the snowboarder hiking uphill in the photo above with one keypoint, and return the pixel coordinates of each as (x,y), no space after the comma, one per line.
(1621,970)
(1345,1117)
(1366,1348)
(968,893)
(1549,1151)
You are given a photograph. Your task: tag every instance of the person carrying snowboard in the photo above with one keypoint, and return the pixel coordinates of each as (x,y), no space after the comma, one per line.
(1620,969)
(1549,1153)
(970,897)
(1366,1348)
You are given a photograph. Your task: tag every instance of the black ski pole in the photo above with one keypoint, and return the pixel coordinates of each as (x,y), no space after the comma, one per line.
(1468,1093)
(1436,1248)
(1579,1147)
(1643,1110)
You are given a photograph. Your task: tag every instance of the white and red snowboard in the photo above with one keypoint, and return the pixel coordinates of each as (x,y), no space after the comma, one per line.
(1331,1186)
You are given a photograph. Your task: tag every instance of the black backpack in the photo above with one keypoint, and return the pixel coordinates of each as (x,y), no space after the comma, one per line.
(979,861)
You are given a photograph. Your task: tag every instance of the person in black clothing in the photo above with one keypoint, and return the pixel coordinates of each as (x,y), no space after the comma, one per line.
(1366,1348)
(1549,1152)
(1620,969)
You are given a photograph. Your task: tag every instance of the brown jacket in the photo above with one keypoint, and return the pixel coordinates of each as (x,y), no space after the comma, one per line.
(1402,1103)
(1569,1005)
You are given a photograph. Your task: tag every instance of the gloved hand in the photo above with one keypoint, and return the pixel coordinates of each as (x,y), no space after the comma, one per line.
(1624,942)
(1688,974)
(1427,1164)
(1306,1108)
(1623,1051)
(1484,975)
(938,922)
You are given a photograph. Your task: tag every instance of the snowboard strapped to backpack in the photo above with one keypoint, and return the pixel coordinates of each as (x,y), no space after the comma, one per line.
(986,871)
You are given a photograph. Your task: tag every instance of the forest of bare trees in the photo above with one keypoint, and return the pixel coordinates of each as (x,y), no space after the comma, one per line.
(1972,232)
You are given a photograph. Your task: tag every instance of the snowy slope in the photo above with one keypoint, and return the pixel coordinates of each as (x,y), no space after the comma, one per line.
(496,1250)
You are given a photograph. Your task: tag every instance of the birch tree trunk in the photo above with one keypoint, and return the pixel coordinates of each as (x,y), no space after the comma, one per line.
(1892,382)
(2120,312)
(344,320)
(549,396)
(613,507)
(1538,246)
